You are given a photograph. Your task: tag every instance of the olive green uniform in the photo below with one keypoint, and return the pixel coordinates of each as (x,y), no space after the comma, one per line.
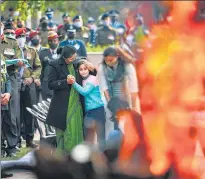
(11,50)
(28,92)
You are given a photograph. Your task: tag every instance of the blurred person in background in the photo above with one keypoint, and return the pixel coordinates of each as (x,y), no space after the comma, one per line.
(81,31)
(43,30)
(30,78)
(118,79)
(20,23)
(67,20)
(71,40)
(117,25)
(105,34)
(92,31)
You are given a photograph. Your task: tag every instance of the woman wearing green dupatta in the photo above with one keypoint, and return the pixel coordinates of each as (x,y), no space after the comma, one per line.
(67,105)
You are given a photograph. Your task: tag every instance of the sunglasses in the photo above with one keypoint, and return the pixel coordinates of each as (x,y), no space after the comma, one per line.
(9,33)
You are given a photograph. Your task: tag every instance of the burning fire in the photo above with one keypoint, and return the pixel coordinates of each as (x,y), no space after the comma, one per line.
(171,78)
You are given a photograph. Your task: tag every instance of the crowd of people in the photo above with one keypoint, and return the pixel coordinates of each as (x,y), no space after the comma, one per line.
(51,62)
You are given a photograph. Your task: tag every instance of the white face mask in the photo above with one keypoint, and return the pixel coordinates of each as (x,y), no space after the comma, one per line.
(21,42)
(78,24)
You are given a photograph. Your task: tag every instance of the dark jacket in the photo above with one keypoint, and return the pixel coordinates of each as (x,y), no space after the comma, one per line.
(57,81)
(45,56)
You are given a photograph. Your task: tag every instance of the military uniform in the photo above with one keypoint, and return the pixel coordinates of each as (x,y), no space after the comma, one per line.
(11,50)
(28,92)
(6,133)
(82,34)
(105,36)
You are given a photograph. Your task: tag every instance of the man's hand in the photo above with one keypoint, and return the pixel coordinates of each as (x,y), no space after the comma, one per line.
(70,79)
(5,98)
(28,81)
(20,63)
(37,82)
(90,66)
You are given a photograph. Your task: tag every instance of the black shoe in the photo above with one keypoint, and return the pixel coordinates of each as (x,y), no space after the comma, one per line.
(31,145)
(11,154)
(6,175)
(3,153)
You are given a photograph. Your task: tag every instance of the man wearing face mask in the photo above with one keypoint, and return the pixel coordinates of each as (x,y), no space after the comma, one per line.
(66,20)
(71,40)
(35,42)
(46,56)
(117,25)
(43,29)
(81,31)
(92,31)
(105,34)
(30,77)
(118,79)
(10,50)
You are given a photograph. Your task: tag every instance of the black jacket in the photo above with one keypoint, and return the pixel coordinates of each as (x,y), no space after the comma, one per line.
(57,81)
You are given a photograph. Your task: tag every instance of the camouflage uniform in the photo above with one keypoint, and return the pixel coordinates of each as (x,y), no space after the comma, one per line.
(28,92)
(11,50)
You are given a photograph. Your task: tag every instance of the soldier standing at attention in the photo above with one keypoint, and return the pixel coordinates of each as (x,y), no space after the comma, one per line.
(11,50)
(30,77)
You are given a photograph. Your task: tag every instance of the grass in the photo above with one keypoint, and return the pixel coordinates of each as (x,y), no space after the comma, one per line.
(23,152)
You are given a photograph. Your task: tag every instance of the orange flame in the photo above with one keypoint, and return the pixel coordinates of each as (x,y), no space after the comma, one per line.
(171,77)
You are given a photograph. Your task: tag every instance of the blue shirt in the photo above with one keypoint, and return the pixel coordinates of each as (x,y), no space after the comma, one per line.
(91,91)
(78,44)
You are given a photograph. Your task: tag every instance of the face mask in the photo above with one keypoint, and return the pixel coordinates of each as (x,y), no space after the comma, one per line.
(50,16)
(35,42)
(78,24)
(21,42)
(53,46)
(71,35)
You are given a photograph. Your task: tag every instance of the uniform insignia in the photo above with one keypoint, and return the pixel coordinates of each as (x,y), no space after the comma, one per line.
(9,51)
(77,46)
(28,56)
(111,37)
(85,35)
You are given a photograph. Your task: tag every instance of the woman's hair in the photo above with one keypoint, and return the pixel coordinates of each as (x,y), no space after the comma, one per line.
(66,51)
(110,51)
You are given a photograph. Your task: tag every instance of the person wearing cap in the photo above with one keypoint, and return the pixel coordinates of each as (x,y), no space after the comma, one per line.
(116,24)
(67,105)
(105,34)
(49,13)
(118,79)
(66,19)
(92,30)
(43,31)
(81,31)
(46,56)
(10,50)
(30,77)
(71,40)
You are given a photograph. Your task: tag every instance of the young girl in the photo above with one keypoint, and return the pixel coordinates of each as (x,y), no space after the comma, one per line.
(94,107)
